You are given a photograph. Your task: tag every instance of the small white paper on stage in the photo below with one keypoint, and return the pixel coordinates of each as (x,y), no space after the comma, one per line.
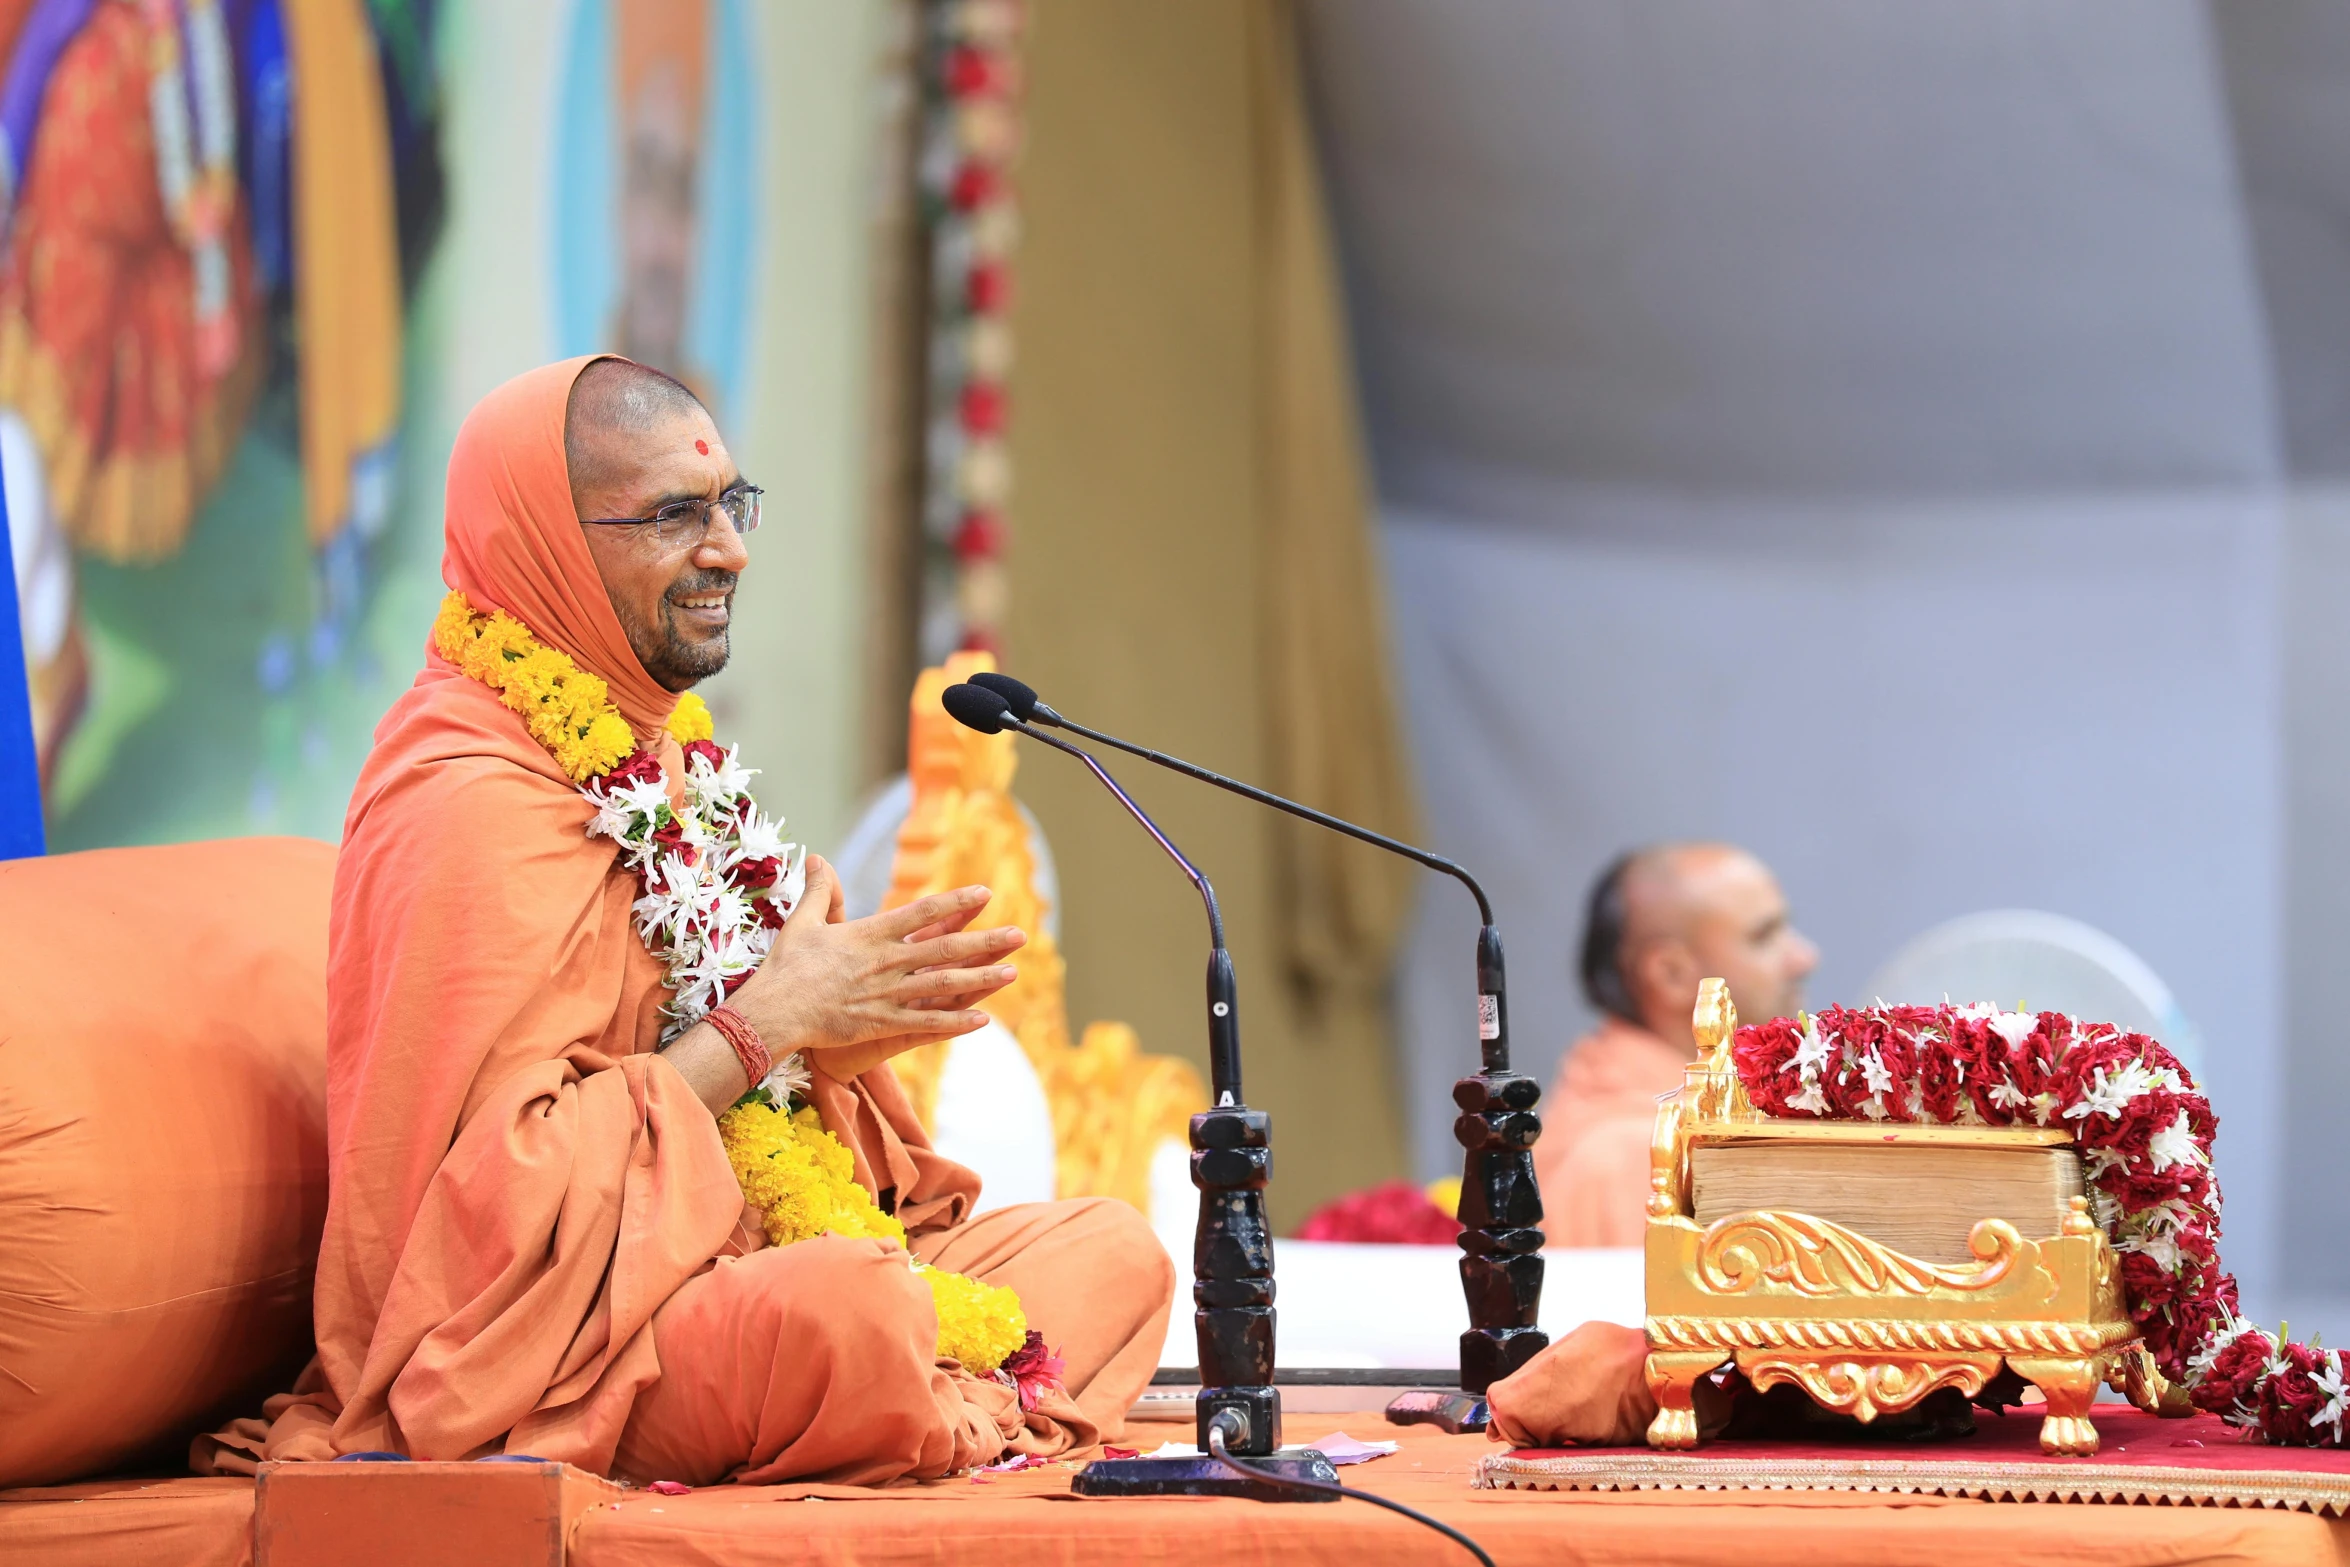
(1340,1448)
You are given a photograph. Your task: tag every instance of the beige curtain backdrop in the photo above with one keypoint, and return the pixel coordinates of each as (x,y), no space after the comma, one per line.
(1192,563)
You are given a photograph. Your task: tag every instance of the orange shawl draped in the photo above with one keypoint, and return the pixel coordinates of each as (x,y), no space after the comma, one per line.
(516,1181)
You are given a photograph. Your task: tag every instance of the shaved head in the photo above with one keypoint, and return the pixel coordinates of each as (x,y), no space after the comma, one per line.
(614,404)
(1664,917)
(636,441)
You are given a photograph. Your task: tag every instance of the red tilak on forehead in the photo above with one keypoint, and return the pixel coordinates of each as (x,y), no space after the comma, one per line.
(703,447)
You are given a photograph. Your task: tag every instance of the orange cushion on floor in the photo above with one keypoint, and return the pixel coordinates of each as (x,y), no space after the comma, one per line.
(162,1142)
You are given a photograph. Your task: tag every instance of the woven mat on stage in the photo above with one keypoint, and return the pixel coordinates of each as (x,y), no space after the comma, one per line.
(2197,1461)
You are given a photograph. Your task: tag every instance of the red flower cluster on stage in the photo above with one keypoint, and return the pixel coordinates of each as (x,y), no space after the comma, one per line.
(1393,1213)
(1033,1369)
(2144,1132)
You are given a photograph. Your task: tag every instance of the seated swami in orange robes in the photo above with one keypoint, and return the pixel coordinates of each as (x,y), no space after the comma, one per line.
(534,1242)
(1660,920)
(1597,1119)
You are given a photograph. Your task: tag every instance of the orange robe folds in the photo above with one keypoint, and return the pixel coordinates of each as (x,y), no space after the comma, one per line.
(533,1240)
(1597,1120)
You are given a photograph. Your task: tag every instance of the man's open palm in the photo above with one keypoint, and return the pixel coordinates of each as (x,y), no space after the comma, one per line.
(853,993)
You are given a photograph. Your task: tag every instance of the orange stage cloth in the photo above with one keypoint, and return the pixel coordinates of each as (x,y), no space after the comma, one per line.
(130,1523)
(1030,1519)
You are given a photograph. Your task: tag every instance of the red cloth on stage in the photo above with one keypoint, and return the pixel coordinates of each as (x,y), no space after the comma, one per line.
(2128,1438)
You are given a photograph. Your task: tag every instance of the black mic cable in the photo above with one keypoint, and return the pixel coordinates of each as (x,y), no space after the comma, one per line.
(1217,1437)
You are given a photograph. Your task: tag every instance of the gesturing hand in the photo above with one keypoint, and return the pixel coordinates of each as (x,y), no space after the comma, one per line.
(853,993)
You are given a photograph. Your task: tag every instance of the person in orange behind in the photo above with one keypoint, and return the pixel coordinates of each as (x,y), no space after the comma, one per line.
(534,1241)
(1660,920)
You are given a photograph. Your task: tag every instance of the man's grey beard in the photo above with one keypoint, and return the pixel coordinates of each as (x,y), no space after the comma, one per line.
(676,663)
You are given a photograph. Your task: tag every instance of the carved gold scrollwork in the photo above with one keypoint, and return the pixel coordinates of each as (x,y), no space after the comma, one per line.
(1719,1095)
(1866,1389)
(1832,1335)
(1794,1251)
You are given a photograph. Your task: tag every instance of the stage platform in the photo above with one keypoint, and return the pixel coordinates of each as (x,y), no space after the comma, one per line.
(1027,1519)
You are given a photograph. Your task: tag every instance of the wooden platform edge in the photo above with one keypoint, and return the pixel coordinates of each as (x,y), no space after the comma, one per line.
(365,1514)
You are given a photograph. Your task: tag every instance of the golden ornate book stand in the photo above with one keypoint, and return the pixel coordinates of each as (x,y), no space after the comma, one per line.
(1860,1327)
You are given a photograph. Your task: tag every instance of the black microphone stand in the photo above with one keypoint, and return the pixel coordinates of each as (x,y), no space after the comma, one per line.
(1238,1409)
(1501,1206)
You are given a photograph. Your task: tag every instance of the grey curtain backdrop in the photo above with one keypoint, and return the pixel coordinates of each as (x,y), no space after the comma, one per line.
(1907,440)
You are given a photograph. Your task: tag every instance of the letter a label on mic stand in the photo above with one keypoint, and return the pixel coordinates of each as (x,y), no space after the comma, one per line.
(1488,1015)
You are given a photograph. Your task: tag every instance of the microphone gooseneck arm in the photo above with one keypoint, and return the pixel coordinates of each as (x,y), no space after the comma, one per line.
(1207,892)
(1493,1033)
(1231,1159)
(1435,862)
(1501,1204)
(1223,993)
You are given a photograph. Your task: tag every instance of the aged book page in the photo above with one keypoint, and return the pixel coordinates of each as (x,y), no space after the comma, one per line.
(1918,1199)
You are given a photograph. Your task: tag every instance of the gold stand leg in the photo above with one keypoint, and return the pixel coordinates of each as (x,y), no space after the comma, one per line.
(1672,1373)
(2070,1386)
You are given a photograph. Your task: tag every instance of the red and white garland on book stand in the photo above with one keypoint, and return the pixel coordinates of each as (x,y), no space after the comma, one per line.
(2144,1133)
(970,73)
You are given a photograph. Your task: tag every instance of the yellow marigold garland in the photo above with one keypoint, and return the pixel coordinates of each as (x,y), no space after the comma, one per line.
(568,710)
(978,1324)
(799,1177)
(690,720)
(803,1182)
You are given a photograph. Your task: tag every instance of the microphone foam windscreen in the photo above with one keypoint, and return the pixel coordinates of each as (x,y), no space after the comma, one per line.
(1018,695)
(975,707)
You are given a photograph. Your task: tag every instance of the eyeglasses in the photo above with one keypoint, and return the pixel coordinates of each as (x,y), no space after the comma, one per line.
(688,522)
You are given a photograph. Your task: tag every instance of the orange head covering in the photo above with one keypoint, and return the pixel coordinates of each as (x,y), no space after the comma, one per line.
(515,544)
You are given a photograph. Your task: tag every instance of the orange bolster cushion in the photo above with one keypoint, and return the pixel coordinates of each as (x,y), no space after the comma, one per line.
(162,1143)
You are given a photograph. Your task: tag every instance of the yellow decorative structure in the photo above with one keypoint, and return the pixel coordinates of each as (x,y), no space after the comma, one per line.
(1112,1104)
(1861,1328)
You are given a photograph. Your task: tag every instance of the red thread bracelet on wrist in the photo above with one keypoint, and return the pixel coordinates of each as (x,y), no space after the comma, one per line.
(736,1030)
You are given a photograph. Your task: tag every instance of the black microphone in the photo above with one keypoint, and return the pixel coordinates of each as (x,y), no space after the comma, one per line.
(1501,1206)
(1231,1159)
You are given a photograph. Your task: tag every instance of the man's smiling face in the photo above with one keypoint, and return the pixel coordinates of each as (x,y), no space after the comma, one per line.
(635,444)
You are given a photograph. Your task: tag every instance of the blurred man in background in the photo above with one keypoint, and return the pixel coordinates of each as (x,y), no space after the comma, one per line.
(1660,920)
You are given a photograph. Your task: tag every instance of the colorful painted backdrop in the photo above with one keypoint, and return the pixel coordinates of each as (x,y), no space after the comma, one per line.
(262,256)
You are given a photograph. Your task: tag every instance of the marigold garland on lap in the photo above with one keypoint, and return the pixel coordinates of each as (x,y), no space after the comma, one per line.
(2144,1133)
(803,1182)
(798,1175)
(717,882)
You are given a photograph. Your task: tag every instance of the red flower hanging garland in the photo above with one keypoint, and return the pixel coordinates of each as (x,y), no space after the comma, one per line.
(2144,1132)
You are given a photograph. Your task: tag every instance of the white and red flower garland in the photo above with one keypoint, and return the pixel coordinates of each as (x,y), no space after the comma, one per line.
(970,76)
(2144,1132)
(716,878)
